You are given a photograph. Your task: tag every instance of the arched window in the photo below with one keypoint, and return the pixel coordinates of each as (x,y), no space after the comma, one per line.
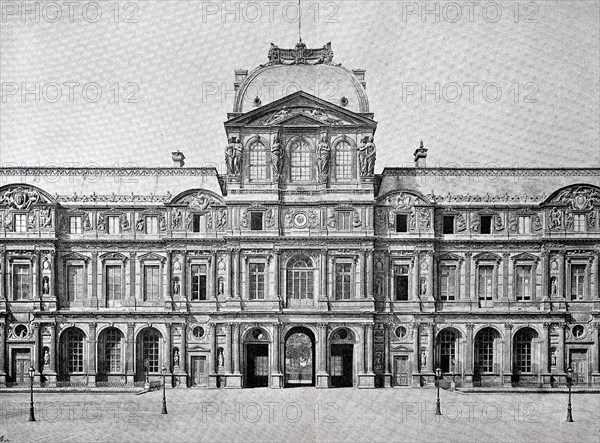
(300,278)
(73,341)
(258,161)
(484,349)
(447,350)
(343,161)
(523,349)
(301,162)
(150,350)
(110,351)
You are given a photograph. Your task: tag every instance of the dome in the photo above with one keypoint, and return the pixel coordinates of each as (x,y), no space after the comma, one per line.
(278,79)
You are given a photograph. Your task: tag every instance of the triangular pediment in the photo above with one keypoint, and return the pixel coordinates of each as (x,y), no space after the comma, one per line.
(75,256)
(525,256)
(152,256)
(301,109)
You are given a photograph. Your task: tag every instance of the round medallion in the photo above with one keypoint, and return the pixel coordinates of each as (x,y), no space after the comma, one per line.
(423,265)
(554,264)
(300,220)
(198,332)
(21,331)
(400,332)
(578,331)
(176,265)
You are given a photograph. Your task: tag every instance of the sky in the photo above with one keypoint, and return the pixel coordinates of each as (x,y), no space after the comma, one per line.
(110,83)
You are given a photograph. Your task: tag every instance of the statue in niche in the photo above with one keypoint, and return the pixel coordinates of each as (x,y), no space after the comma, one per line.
(176,219)
(237,156)
(553,357)
(46,357)
(277,156)
(176,285)
(221,290)
(366,156)
(423,287)
(323,162)
(176,358)
(229,156)
(45,286)
(423,359)
(46,218)
(139,225)
(555,219)
(554,286)
(220,358)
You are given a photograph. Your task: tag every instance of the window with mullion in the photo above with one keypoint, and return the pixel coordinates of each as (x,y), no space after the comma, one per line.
(447,282)
(257,281)
(577,282)
(486,285)
(75,286)
(258,162)
(22,281)
(523,282)
(112,346)
(485,350)
(343,281)
(74,350)
(150,351)
(523,348)
(151,283)
(114,278)
(343,161)
(300,161)
(199,275)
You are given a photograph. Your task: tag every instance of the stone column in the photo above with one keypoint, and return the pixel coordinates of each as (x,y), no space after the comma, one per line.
(360,357)
(276,376)
(370,270)
(91,367)
(167,349)
(468,364)
(430,271)
(36,349)
(2,350)
(544,351)
(369,347)
(560,349)
(323,275)
(595,292)
(387,372)
(468,276)
(236,274)
(235,380)
(168,297)
(561,275)
(322,374)
(415,277)
(545,269)
(505,273)
(507,354)
(430,347)
(276,277)
(183,349)
(366,377)
(130,353)
(3,296)
(416,367)
(595,357)
(94,297)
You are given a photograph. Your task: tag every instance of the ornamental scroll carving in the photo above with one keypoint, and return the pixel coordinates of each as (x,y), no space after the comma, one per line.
(578,198)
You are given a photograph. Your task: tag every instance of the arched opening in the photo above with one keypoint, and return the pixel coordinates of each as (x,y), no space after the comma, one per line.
(487,355)
(111,363)
(148,354)
(256,358)
(342,358)
(447,350)
(300,281)
(299,357)
(72,345)
(524,363)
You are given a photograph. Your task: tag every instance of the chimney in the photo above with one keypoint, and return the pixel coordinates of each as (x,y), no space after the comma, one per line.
(420,156)
(178,159)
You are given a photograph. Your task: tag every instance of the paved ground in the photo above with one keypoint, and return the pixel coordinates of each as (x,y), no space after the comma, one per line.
(301,414)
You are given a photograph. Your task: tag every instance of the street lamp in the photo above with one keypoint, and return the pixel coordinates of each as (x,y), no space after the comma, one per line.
(31,375)
(438,376)
(164,403)
(569,383)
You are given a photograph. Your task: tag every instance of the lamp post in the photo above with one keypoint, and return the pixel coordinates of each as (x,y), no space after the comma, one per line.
(569,382)
(438,375)
(164,403)
(31,375)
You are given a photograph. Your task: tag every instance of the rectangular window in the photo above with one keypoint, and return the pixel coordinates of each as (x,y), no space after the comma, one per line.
(75,225)
(151,283)
(343,165)
(113,225)
(577,282)
(256,221)
(524,224)
(343,281)
(75,283)
(448,224)
(20,222)
(114,289)
(448,283)
(152,225)
(21,282)
(337,366)
(196,222)
(257,281)
(486,224)
(198,282)
(523,283)
(343,220)
(486,285)
(301,165)
(401,282)
(579,223)
(401,223)
(258,164)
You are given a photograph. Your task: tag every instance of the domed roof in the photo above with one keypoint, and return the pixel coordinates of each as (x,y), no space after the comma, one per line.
(290,70)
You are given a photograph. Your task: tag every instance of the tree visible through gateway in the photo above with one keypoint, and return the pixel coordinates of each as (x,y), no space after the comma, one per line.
(299,361)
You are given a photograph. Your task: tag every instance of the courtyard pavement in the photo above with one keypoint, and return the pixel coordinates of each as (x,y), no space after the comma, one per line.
(299,415)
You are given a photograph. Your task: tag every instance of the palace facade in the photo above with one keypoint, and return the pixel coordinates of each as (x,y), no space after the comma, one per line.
(299,266)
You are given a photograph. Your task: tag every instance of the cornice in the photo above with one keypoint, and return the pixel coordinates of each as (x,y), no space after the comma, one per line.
(509,172)
(110,172)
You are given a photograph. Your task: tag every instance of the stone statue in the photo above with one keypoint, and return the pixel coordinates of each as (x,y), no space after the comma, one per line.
(553,359)
(237,156)
(46,218)
(229,156)
(176,219)
(176,358)
(139,225)
(220,358)
(555,219)
(423,287)
(323,161)
(277,157)
(176,285)
(46,357)
(554,289)
(46,286)
(366,156)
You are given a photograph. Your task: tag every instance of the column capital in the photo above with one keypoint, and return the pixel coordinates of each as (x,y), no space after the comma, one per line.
(508,326)
(470,327)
